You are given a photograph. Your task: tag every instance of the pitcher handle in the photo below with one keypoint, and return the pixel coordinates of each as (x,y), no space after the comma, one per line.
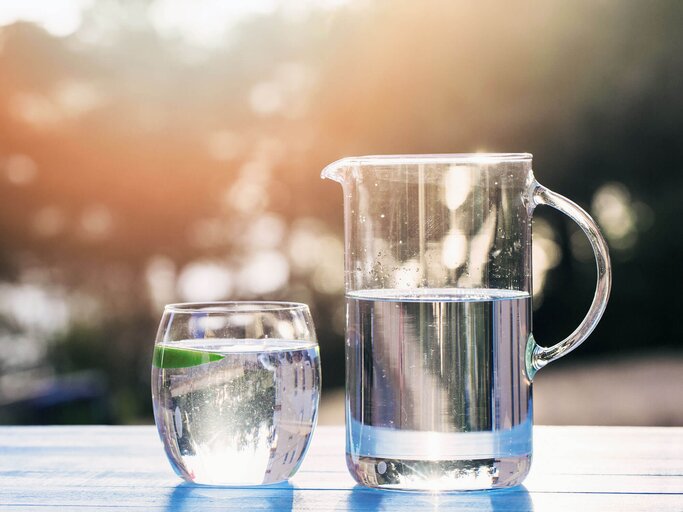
(536,356)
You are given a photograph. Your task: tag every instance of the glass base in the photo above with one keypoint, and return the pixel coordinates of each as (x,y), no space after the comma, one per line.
(439,475)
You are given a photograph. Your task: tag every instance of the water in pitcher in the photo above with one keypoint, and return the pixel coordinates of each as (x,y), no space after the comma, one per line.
(434,398)
(245,414)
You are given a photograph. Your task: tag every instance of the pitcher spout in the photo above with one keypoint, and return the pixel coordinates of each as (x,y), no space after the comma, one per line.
(337,171)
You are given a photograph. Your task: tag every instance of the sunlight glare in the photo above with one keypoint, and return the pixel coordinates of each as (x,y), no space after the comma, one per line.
(457,185)
(204,23)
(60,19)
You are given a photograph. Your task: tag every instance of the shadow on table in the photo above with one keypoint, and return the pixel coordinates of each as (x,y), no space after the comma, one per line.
(186,497)
(515,499)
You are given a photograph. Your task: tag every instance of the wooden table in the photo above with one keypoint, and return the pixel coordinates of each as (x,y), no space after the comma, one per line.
(99,468)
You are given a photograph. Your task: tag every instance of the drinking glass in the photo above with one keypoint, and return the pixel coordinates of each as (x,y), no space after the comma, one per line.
(235,390)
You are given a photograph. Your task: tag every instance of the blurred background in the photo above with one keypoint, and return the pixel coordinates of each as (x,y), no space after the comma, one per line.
(155,151)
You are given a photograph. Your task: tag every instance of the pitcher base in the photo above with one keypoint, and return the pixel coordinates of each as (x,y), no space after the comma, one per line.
(439,475)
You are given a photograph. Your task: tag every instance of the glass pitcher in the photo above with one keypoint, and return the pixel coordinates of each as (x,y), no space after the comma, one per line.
(439,352)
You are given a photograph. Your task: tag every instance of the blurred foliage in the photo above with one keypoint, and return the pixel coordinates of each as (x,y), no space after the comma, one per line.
(111,348)
(152,153)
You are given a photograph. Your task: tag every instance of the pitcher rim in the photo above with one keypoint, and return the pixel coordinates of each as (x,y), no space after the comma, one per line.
(336,170)
(448,157)
(436,158)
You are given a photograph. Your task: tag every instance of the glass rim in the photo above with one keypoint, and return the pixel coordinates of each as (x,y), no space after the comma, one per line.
(235,306)
(440,158)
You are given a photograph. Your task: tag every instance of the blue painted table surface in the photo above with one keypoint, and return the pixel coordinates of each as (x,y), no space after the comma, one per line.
(124,468)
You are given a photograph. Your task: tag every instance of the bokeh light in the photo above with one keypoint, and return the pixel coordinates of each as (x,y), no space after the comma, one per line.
(159,151)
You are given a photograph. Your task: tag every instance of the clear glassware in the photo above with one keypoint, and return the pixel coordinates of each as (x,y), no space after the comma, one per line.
(439,352)
(235,390)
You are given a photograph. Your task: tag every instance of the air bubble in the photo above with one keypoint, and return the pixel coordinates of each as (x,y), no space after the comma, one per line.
(382,468)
